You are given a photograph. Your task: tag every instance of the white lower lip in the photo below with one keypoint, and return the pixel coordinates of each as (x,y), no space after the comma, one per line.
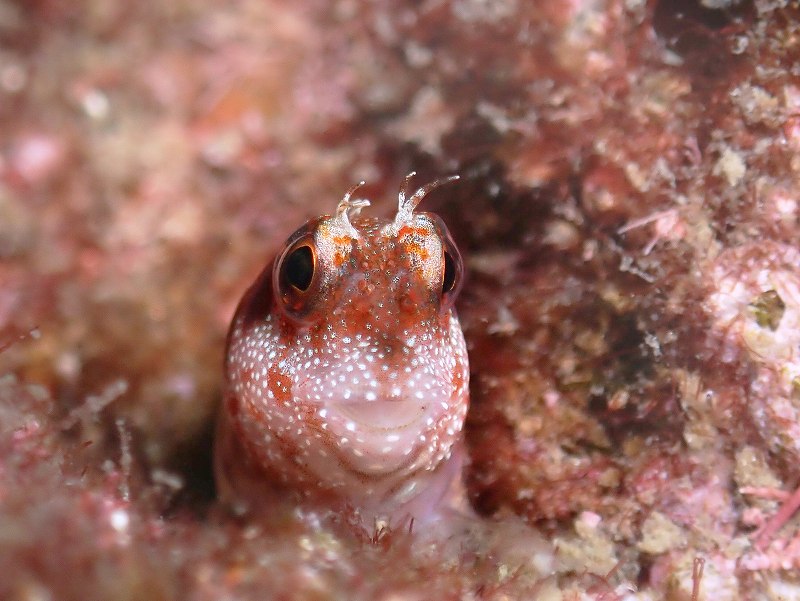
(379,415)
(381,436)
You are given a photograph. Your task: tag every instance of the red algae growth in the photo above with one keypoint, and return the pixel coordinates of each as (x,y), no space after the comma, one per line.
(628,218)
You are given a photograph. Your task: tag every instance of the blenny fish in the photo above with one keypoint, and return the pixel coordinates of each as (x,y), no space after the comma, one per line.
(347,371)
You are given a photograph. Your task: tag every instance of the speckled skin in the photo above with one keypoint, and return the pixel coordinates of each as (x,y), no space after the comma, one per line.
(350,393)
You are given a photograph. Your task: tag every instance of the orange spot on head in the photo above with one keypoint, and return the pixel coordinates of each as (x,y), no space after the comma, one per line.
(340,259)
(342,252)
(280,384)
(413,248)
(409,230)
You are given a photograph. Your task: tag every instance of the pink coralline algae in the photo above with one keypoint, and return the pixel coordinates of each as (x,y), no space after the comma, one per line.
(628,215)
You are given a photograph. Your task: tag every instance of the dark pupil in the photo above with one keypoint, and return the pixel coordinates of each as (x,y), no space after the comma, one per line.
(298,268)
(449,279)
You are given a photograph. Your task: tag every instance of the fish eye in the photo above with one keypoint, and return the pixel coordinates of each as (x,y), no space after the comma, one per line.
(295,276)
(297,269)
(452,272)
(449,276)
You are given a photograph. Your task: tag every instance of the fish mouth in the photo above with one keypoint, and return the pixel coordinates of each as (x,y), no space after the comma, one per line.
(380,415)
(379,437)
(376,431)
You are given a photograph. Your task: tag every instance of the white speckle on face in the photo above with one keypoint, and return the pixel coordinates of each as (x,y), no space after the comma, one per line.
(362,387)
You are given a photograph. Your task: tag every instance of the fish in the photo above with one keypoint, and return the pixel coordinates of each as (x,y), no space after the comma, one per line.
(347,374)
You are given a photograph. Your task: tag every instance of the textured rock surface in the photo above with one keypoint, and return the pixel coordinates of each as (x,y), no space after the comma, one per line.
(628,211)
